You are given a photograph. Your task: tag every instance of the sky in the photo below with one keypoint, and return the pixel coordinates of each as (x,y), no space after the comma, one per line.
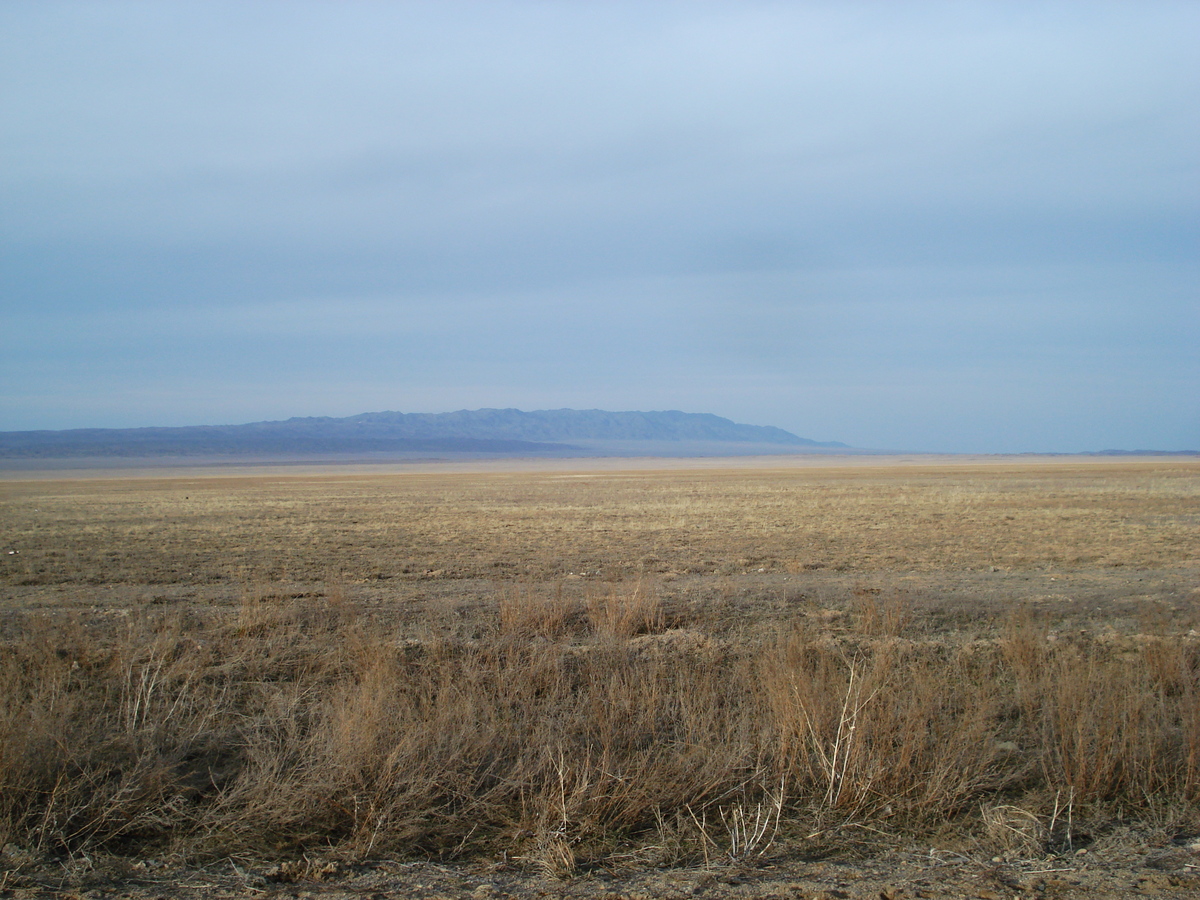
(948,227)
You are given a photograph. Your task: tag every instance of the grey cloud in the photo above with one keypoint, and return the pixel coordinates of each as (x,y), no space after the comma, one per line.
(690,205)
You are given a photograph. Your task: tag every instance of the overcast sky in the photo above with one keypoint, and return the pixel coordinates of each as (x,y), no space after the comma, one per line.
(919,226)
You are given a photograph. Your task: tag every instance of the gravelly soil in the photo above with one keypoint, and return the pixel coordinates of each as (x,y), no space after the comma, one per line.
(1129,866)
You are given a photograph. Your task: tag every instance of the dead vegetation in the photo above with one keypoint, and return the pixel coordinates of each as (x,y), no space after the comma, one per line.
(561,719)
(610,526)
(567,734)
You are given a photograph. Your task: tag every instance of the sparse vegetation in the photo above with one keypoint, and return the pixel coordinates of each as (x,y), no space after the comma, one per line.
(296,725)
(654,674)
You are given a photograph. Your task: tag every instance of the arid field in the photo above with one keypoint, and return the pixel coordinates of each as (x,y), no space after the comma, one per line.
(845,677)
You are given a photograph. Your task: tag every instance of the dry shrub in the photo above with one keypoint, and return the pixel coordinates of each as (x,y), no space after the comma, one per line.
(299,724)
(541,745)
(262,608)
(877,615)
(106,745)
(1106,726)
(1012,829)
(890,728)
(526,612)
(1108,731)
(1026,646)
(1172,666)
(622,613)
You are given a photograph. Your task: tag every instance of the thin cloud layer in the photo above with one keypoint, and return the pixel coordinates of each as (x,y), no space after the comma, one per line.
(931,227)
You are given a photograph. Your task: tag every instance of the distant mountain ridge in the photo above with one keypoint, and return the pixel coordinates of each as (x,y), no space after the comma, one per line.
(482,431)
(565,425)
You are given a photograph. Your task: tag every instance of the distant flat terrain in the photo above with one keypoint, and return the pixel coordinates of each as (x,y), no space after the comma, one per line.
(881,515)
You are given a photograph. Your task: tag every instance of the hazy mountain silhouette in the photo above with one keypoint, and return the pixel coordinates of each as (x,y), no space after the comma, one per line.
(508,432)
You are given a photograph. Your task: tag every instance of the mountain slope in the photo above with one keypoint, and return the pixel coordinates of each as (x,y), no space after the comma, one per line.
(558,425)
(484,431)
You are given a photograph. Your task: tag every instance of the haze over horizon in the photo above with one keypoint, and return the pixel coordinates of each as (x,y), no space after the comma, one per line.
(949,227)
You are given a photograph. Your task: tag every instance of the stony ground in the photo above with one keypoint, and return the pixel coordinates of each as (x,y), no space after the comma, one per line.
(1123,865)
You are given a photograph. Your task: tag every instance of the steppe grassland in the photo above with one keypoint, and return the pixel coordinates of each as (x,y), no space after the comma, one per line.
(622,524)
(565,665)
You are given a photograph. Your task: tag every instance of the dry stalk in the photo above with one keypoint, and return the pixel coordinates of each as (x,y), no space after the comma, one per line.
(748,833)
(1070,811)
(836,760)
(1013,828)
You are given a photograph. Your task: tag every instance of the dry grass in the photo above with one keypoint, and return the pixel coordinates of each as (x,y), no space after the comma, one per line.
(1109,724)
(613,526)
(254,667)
(295,726)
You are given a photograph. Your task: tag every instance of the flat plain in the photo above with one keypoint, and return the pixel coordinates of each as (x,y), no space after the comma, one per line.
(754,677)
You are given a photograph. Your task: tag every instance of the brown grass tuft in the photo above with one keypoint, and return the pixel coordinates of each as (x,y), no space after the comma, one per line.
(305,727)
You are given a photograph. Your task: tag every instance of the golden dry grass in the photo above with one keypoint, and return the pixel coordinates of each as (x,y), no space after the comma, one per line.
(620,524)
(563,666)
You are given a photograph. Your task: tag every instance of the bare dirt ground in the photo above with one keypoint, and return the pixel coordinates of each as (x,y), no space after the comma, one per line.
(1132,869)
(1101,554)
